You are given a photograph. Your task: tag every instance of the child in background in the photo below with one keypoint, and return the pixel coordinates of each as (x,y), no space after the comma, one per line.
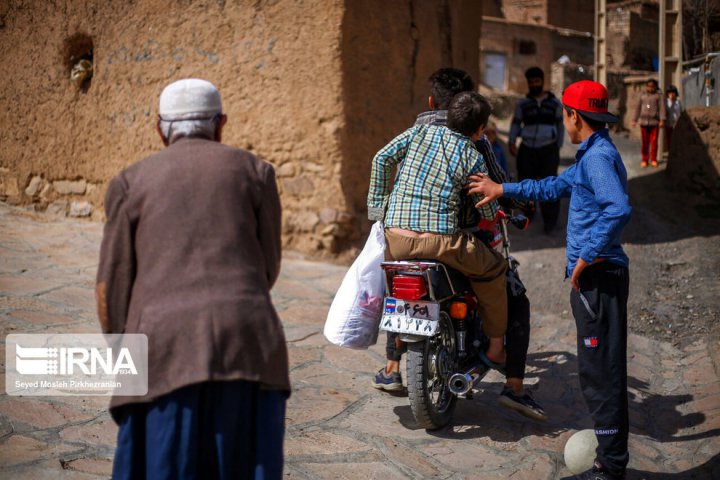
(491,133)
(650,114)
(673,107)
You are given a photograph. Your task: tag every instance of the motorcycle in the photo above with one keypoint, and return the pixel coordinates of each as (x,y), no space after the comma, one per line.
(434,310)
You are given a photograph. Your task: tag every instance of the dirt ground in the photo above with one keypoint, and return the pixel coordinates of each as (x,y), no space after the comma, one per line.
(673,241)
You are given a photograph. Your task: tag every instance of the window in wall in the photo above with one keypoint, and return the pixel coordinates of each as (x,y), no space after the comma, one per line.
(527,47)
(494,70)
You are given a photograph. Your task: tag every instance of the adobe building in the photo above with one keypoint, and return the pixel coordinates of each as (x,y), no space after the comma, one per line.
(632,35)
(518,34)
(313,87)
(632,55)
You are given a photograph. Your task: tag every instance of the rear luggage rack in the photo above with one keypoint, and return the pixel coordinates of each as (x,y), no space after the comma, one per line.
(419,268)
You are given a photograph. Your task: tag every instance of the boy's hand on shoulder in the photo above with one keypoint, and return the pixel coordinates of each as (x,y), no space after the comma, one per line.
(482,185)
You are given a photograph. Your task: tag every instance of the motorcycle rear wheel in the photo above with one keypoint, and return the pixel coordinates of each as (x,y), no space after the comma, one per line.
(429,367)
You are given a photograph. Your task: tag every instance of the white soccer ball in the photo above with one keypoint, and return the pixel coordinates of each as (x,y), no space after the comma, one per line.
(580,451)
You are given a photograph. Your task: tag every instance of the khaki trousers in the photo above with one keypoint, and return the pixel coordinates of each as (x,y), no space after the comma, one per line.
(484,267)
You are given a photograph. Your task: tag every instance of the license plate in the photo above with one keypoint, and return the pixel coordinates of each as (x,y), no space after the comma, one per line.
(410,316)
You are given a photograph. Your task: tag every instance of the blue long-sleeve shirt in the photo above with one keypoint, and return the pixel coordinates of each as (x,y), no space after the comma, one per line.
(599,205)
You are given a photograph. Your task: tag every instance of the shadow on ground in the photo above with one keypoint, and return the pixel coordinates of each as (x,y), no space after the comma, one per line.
(708,470)
(652,415)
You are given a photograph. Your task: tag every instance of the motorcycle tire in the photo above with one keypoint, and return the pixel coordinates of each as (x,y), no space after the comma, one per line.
(429,366)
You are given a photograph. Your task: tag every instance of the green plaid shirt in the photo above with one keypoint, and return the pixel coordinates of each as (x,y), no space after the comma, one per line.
(435,163)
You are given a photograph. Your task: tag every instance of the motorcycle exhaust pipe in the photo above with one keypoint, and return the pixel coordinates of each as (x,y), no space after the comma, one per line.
(462,383)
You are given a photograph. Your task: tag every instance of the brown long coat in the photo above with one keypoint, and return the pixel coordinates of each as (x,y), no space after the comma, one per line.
(190,251)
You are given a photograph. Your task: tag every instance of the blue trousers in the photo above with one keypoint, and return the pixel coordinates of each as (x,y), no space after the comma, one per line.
(210,430)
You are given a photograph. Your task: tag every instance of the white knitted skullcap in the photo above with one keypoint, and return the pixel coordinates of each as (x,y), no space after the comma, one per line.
(190,98)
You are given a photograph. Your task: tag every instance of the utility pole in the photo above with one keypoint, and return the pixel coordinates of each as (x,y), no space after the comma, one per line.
(670,44)
(600,66)
(669,51)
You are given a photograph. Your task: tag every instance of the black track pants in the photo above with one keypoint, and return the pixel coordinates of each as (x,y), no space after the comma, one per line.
(517,338)
(392,352)
(600,311)
(538,163)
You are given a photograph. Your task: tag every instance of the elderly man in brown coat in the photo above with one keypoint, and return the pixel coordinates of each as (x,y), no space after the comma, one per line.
(190,251)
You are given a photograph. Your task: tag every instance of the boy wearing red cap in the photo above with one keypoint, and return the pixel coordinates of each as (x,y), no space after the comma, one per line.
(596,264)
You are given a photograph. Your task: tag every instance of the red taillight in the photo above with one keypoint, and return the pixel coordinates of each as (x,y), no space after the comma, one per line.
(408,287)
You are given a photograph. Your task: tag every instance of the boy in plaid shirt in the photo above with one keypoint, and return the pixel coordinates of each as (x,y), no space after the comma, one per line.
(422,209)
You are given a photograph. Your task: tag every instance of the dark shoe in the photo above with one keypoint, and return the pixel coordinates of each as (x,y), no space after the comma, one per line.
(389,383)
(500,367)
(597,472)
(523,404)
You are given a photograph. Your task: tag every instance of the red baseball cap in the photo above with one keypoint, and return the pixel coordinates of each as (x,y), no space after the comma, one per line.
(590,99)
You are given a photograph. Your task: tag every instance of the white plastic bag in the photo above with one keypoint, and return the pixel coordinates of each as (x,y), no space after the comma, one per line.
(354,316)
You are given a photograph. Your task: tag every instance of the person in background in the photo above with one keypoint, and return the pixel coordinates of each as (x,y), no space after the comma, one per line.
(674,108)
(190,251)
(538,121)
(491,133)
(650,115)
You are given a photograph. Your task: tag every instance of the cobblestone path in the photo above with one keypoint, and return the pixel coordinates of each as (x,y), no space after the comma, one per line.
(338,426)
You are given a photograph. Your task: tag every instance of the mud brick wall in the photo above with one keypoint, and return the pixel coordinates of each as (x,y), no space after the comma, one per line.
(572,14)
(526,11)
(500,36)
(632,39)
(694,158)
(313,86)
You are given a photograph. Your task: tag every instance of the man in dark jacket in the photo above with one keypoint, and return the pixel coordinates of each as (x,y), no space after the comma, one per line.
(190,251)
(538,121)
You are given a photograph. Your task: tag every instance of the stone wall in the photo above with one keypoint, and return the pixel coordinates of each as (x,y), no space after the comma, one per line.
(313,86)
(275,63)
